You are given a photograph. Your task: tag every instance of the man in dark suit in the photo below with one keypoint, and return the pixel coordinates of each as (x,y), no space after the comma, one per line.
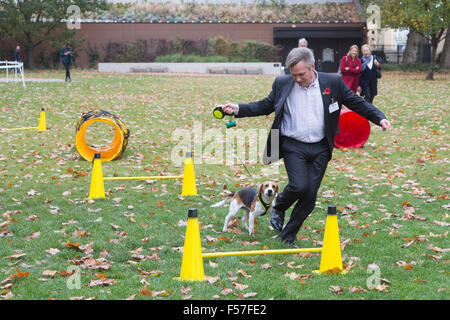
(17,57)
(307,108)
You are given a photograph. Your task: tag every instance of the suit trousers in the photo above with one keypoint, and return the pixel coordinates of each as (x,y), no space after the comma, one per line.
(305,165)
(367,93)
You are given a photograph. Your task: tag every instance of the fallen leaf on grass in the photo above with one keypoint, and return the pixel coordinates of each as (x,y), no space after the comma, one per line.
(50,273)
(436,249)
(226,291)
(335,270)
(17,256)
(72,245)
(243,273)
(52,251)
(439,223)
(33,236)
(20,274)
(211,279)
(336,289)
(434,257)
(356,289)
(249,294)
(239,286)
(405,265)
(101,282)
(380,287)
(153,293)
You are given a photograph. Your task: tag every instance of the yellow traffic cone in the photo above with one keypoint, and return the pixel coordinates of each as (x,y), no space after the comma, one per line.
(192,263)
(42,123)
(331,260)
(189,186)
(97,186)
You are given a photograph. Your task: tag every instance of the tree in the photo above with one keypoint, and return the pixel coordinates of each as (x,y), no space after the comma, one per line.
(429,18)
(32,22)
(445,55)
(414,47)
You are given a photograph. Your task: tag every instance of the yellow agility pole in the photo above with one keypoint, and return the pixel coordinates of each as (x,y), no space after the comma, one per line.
(258,252)
(192,264)
(42,126)
(17,129)
(144,178)
(97,188)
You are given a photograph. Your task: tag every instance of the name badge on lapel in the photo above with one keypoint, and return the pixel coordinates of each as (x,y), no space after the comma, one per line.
(333,107)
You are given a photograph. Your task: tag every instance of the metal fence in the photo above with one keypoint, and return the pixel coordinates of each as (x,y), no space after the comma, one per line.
(394,53)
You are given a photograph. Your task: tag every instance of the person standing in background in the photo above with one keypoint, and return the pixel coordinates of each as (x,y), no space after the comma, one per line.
(351,68)
(368,80)
(302,43)
(65,56)
(17,57)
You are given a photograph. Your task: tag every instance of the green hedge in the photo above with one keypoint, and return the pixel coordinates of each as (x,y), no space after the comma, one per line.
(218,49)
(178,57)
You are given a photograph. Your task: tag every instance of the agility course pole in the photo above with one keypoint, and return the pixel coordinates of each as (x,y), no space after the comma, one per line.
(144,178)
(258,252)
(192,262)
(97,189)
(42,126)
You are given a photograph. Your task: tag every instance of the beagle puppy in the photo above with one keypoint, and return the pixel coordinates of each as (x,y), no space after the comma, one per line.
(254,202)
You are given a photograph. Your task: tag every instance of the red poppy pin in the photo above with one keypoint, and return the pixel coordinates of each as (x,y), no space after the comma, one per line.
(326,91)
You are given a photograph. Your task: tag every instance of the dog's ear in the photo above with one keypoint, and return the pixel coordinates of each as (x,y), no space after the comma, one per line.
(260,188)
(277,189)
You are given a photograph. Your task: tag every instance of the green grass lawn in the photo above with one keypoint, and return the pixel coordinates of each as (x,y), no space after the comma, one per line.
(392,195)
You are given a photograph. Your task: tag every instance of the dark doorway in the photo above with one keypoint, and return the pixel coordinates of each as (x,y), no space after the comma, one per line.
(329,46)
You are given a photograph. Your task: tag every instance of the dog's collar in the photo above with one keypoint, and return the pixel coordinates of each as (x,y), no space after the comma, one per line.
(265,205)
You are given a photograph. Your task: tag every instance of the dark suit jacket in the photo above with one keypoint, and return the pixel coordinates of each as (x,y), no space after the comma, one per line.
(332,88)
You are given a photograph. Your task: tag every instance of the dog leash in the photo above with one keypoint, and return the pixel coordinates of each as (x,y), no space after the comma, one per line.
(219,114)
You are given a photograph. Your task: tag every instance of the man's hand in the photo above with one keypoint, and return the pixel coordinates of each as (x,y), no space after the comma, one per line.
(385,124)
(359,90)
(230,108)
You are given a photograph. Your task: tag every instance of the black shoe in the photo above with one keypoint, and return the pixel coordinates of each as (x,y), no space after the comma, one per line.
(292,244)
(277,219)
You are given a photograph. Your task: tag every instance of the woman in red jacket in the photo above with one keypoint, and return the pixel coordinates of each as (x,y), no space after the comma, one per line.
(351,68)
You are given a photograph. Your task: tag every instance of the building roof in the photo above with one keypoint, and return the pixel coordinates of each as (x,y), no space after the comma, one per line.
(170,12)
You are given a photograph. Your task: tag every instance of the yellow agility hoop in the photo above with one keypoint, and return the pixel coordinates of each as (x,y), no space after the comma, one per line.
(117,145)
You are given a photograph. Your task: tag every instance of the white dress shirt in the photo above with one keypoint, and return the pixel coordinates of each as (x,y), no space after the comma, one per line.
(303,117)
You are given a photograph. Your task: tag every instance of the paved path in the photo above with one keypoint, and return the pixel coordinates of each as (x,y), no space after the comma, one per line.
(31,80)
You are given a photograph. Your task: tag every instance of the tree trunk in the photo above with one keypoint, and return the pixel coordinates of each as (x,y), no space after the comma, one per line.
(434,45)
(412,53)
(445,54)
(30,53)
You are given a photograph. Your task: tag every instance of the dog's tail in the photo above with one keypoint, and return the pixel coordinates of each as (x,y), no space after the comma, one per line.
(221,203)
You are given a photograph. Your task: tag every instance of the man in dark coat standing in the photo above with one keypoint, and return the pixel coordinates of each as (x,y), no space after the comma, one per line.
(65,56)
(17,57)
(307,108)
